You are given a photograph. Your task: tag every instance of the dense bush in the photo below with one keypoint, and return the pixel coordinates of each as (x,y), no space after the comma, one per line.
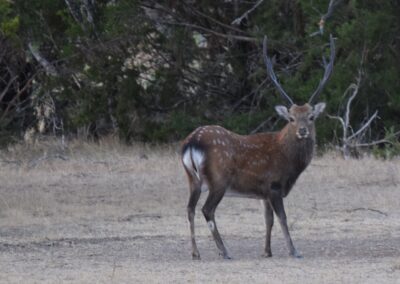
(155,70)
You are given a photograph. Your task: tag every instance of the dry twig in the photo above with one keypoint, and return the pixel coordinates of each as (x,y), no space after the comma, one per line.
(237,21)
(367,209)
(332,5)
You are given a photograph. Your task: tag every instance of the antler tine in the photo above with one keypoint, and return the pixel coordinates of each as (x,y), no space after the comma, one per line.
(271,73)
(328,71)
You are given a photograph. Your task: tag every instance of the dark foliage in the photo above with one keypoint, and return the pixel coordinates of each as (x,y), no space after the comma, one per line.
(155,70)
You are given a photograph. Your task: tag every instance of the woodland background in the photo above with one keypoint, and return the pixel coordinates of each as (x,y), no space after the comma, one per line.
(154,70)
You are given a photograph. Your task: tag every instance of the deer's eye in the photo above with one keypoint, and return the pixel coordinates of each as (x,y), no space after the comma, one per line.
(311,118)
(291,118)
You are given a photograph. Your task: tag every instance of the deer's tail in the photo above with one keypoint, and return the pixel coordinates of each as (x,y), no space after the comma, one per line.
(193,160)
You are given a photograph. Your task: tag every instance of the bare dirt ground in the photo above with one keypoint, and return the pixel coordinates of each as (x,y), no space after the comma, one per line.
(113,214)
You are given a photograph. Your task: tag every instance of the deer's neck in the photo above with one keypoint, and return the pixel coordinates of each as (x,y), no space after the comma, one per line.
(298,152)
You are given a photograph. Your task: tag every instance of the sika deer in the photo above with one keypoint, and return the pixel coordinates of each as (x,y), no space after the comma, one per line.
(263,166)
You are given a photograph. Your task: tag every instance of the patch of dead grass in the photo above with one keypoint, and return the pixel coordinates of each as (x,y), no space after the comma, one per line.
(48,180)
(101,203)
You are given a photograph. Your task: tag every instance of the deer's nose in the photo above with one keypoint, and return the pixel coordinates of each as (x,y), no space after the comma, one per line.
(303,131)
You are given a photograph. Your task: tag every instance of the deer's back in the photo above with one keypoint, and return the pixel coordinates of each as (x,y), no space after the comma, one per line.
(238,162)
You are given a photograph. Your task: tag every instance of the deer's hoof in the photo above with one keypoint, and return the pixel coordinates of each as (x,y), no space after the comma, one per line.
(196,256)
(226,255)
(267,254)
(295,254)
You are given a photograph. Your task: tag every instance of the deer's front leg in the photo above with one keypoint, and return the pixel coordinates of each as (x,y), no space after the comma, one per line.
(269,222)
(277,205)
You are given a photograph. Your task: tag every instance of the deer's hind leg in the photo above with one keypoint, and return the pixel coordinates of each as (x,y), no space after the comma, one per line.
(213,199)
(195,192)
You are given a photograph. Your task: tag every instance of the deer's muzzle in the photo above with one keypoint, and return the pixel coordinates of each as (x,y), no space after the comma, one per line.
(302,133)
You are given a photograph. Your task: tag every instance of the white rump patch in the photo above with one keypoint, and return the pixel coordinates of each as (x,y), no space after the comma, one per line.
(193,160)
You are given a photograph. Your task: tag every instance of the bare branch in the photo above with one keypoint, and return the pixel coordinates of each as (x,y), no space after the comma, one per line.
(381,141)
(337,118)
(353,141)
(4,92)
(355,87)
(237,21)
(364,127)
(16,96)
(261,125)
(89,11)
(353,95)
(332,5)
(228,36)
(242,99)
(377,142)
(76,14)
(42,61)
(216,21)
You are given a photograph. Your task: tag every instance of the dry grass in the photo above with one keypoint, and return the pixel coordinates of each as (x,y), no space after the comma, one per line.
(112,213)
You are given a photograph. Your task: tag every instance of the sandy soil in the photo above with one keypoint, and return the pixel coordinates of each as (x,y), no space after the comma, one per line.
(115,214)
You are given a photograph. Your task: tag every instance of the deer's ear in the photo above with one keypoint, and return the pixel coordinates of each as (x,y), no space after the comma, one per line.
(283,112)
(318,109)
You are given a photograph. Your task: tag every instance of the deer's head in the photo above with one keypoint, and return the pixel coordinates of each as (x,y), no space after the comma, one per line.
(301,119)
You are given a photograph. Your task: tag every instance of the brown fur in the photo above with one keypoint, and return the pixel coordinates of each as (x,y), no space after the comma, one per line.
(263,166)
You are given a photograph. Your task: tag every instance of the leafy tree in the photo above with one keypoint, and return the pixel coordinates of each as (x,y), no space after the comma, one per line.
(155,70)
